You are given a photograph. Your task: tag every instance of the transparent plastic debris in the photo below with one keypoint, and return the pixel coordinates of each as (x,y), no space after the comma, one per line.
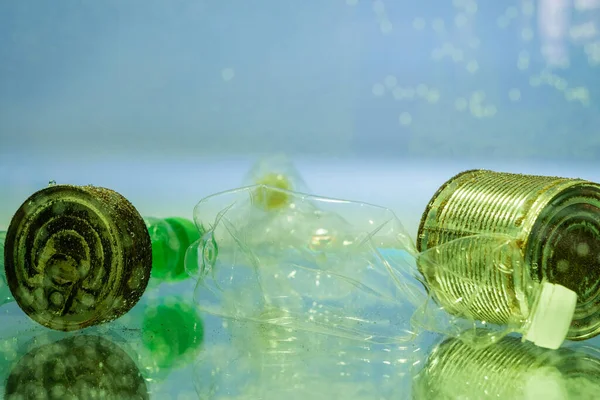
(316,264)
(270,362)
(509,369)
(349,269)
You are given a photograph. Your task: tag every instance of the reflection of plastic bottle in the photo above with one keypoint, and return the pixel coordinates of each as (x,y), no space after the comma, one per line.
(338,267)
(78,367)
(77,256)
(509,369)
(270,362)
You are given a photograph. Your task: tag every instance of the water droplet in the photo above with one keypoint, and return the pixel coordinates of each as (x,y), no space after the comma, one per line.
(52,183)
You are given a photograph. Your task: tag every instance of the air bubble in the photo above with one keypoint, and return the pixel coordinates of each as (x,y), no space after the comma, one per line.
(527,8)
(87,300)
(457,55)
(419,24)
(527,34)
(227,74)
(460,20)
(472,66)
(490,111)
(523,61)
(386,26)
(512,12)
(562,265)
(422,90)
(433,96)
(437,54)
(474,43)
(405,118)
(390,81)
(57,298)
(379,7)
(478,96)
(461,104)
(438,25)
(471,7)
(502,22)
(535,81)
(583,249)
(378,90)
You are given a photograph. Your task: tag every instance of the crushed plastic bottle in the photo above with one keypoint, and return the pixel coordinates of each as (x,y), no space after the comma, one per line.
(302,265)
(510,369)
(347,269)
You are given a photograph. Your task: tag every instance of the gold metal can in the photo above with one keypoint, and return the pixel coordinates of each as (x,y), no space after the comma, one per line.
(555,222)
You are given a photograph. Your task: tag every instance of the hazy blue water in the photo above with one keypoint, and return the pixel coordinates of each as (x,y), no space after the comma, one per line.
(333,78)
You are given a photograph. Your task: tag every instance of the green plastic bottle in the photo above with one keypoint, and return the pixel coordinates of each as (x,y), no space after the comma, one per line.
(170,239)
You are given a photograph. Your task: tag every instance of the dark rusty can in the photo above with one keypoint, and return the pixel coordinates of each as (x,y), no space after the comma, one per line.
(77,256)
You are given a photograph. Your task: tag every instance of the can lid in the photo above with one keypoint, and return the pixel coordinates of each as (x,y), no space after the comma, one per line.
(551,318)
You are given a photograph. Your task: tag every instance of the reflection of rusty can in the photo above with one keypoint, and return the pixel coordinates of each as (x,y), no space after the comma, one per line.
(554,221)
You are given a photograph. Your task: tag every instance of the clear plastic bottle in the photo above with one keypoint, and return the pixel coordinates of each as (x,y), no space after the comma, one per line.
(347,269)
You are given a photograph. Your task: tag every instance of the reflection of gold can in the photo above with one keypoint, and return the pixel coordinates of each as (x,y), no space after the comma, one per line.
(554,221)
(511,369)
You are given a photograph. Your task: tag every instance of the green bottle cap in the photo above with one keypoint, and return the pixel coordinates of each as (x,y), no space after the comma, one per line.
(170,239)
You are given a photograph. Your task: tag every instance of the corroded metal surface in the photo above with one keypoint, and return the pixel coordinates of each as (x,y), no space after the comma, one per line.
(77,256)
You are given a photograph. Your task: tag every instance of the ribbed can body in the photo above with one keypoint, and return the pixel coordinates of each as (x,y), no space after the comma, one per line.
(555,222)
